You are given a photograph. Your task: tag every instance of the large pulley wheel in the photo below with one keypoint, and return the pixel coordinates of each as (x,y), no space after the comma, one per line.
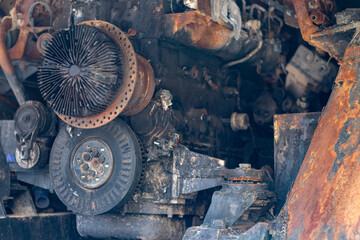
(95,170)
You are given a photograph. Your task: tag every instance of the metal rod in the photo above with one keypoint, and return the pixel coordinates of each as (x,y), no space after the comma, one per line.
(7,66)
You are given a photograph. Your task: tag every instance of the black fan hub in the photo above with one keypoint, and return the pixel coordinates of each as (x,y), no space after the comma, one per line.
(74,70)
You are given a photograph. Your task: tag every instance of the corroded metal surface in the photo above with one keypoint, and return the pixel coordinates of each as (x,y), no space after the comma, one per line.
(144,88)
(332,40)
(306,25)
(5,60)
(6,64)
(126,90)
(239,174)
(196,29)
(324,201)
(292,136)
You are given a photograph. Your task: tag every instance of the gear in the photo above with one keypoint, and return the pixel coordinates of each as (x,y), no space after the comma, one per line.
(95,170)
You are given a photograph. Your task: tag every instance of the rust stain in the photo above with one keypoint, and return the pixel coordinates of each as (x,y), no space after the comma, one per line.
(144,88)
(246,178)
(5,61)
(200,30)
(324,202)
(310,31)
(306,25)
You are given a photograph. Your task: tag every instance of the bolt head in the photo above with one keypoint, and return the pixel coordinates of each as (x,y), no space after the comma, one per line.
(92,173)
(86,167)
(94,152)
(102,159)
(87,157)
(100,169)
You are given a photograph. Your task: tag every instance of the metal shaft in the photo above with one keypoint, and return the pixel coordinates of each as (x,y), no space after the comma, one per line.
(7,66)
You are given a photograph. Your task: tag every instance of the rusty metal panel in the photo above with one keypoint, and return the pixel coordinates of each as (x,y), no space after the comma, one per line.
(293,133)
(324,201)
(195,29)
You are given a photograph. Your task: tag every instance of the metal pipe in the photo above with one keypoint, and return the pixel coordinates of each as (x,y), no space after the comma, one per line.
(41,198)
(148,227)
(6,64)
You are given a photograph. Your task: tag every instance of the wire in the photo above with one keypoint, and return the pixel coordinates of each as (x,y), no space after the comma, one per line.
(171,6)
(250,55)
(4,99)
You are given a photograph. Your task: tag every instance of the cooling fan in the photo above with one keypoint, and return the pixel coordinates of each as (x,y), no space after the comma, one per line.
(91,74)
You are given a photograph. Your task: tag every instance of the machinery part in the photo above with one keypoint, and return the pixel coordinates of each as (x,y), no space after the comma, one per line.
(347,16)
(32,117)
(292,136)
(144,88)
(125,91)
(199,30)
(43,42)
(31,120)
(81,71)
(264,109)
(253,198)
(321,12)
(228,12)
(143,227)
(308,71)
(253,52)
(193,172)
(257,232)
(32,157)
(239,121)
(153,122)
(240,198)
(216,25)
(322,200)
(41,198)
(319,18)
(7,139)
(91,190)
(94,163)
(6,64)
(37,6)
(234,203)
(23,203)
(193,4)
(43,226)
(333,40)
(23,69)
(4,180)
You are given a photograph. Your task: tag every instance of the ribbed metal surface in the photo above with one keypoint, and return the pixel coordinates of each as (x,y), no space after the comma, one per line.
(81,72)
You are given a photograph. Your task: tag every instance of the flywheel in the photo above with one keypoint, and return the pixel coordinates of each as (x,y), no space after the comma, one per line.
(95,170)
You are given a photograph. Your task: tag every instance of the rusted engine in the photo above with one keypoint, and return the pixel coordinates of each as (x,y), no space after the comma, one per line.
(158,119)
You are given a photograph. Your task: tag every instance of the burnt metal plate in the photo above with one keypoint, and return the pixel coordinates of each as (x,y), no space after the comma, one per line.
(293,133)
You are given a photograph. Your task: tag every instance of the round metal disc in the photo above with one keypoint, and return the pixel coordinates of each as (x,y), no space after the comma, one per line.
(126,90)
(91,163)
(28,163)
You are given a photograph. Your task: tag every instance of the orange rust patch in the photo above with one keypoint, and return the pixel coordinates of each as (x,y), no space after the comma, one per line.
(324,202)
